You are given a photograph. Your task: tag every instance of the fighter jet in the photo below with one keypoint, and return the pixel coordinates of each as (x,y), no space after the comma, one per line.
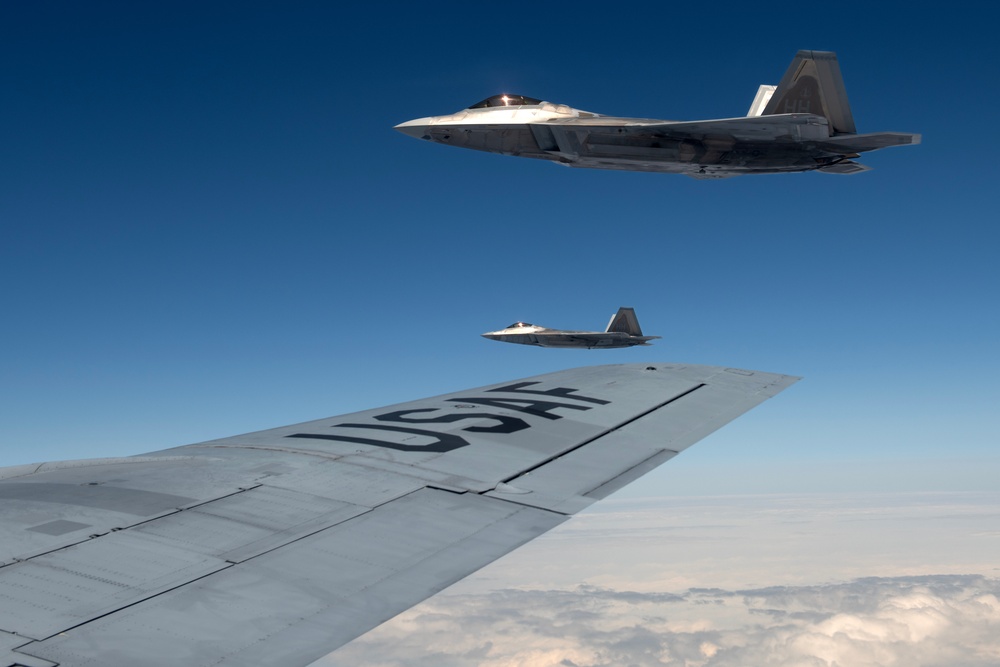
(623,331)
(802,124)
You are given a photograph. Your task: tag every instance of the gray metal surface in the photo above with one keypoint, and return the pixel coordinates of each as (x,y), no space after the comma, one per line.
(278,546)
(336,584)
(786,130)
(10,656)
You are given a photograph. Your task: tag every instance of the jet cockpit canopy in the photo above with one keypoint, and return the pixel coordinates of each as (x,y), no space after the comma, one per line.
(517,325)
(504,100)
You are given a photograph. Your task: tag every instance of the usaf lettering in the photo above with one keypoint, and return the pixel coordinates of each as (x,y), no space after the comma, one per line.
(524,402)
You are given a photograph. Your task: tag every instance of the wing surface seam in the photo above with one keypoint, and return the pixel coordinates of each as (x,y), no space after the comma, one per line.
(604,433)
(96,536)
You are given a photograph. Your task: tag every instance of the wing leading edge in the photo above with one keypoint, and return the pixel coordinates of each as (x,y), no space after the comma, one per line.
(279,546)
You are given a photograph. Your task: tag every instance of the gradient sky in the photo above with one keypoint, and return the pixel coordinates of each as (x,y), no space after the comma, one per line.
(210,227)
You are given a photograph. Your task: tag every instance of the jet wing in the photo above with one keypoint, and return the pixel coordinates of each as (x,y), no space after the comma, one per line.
(744,128)
(276,547)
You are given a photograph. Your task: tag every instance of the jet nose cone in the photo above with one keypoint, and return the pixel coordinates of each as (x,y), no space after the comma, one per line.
(415,128)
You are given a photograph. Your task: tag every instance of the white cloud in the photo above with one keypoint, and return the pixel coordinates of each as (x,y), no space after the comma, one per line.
(930,621)
(724,582)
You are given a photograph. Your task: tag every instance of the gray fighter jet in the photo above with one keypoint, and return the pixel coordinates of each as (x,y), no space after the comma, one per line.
(802,124)
(623,331)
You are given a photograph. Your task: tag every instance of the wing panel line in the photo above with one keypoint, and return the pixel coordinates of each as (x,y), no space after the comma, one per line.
(604,433)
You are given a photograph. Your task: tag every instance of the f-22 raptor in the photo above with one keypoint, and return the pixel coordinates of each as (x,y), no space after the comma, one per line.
(802,124)
(623,331)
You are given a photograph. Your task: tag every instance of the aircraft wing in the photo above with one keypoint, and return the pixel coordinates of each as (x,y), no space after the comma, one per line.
(276,547)
(745,128)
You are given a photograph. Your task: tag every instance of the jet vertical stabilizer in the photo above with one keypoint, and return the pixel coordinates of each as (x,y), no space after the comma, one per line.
(813,84)
(760,100)
(624,321)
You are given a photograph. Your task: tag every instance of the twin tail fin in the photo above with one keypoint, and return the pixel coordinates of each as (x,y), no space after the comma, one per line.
(812,84)
(624,321)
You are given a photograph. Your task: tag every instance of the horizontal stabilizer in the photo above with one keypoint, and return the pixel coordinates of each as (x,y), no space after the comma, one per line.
(859,143)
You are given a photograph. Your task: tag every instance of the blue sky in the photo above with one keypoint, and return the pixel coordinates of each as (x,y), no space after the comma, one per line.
(211,228)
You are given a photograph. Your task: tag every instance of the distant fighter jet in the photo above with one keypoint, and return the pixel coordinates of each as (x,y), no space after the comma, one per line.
(623,331)
(802,124)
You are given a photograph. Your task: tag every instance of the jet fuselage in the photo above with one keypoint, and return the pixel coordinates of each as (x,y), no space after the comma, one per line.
(803,124)
(542,337)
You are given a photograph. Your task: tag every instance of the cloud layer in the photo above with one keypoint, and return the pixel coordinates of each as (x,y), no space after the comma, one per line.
(818,580)
(925,621)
